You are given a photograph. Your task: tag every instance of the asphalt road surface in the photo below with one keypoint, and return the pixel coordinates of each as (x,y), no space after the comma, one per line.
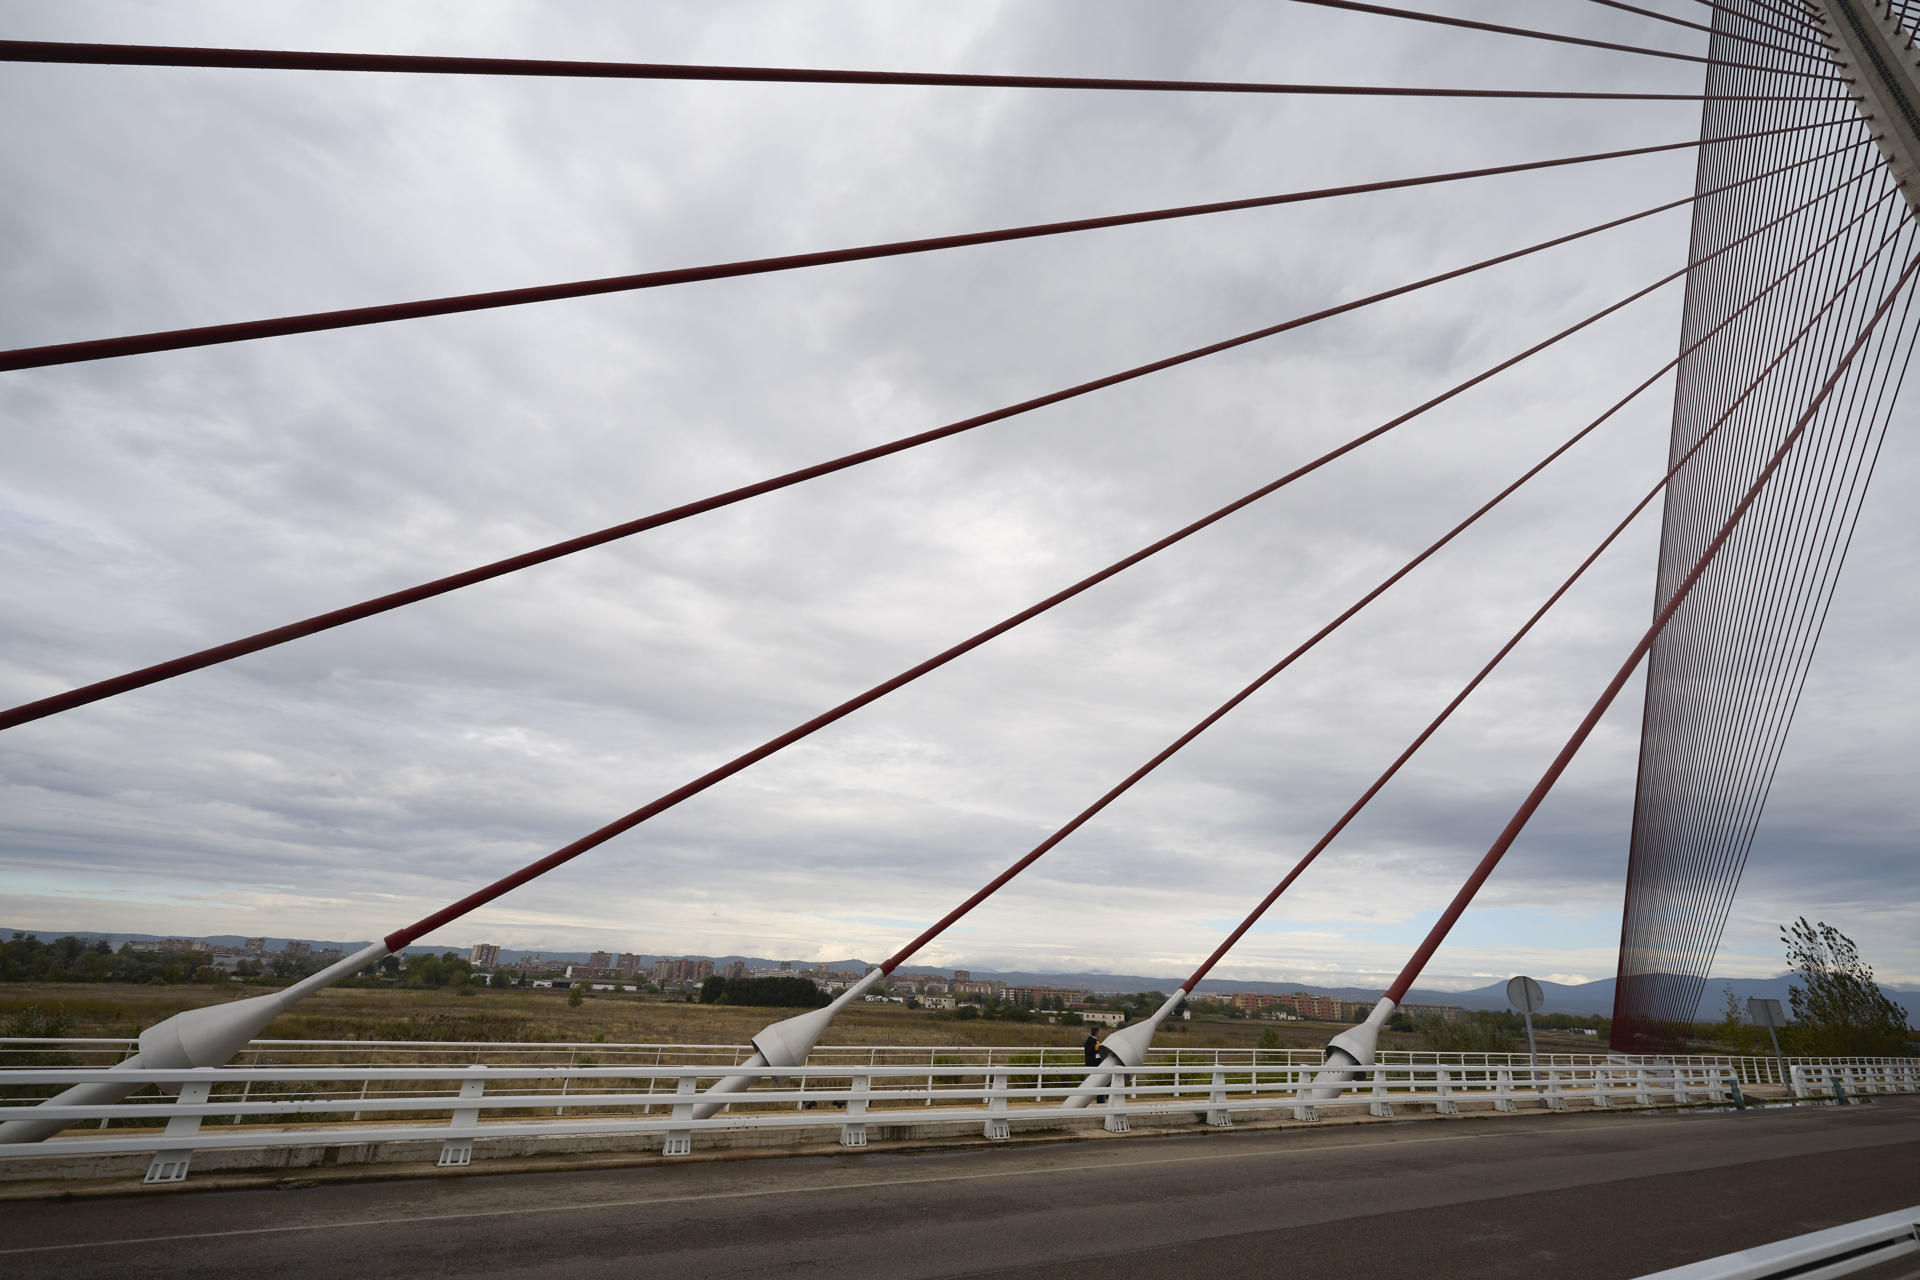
(1561,1196)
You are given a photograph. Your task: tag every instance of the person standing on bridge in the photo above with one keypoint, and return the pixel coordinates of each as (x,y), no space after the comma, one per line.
(1090,1050)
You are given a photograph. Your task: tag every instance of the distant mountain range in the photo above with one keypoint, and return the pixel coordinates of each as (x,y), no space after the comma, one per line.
(1584,999)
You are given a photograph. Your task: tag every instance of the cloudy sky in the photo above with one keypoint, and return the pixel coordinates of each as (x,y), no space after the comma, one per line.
(345,785)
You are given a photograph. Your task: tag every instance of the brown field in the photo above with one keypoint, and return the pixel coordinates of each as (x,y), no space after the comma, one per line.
(106,1009)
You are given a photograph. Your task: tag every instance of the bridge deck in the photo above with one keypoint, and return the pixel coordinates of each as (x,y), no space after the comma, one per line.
(1570,1196)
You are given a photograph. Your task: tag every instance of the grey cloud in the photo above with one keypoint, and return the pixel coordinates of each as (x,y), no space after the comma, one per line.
(152,505)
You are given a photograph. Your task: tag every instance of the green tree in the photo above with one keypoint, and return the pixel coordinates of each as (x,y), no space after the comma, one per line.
(1474,1033)
(788,992)
(576,995)
(1838,1009)
(1734,1031)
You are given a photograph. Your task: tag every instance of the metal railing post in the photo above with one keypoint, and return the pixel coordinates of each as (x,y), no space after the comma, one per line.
(459,1151)
(1380,1106)
(854,1132)
(679,1142)
(1116,1119)
(997,1125)
(171,1166)
(1303,1110)
(1217,1114)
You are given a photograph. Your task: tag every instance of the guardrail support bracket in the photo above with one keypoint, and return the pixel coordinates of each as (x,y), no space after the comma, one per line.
(456,1152)
(171,1166)
(679,1142)
(997,1126)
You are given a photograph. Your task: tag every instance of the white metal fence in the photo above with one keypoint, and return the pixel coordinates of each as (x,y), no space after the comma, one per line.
(1837,1251)
(106,1051)
(336,1093)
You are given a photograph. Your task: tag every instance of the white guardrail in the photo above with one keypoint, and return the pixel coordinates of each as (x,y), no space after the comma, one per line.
(1837,1251)
(338,1093)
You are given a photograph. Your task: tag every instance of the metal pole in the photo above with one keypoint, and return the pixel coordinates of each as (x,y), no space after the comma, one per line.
(1774,1036)
(1533,1054)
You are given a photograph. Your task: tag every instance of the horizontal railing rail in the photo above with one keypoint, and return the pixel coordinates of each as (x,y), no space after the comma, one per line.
(1837,1251)
(313,1103)
(1750,1068)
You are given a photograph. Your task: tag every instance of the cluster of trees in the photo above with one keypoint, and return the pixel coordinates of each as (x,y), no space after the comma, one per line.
(1473,1032)
(25,957)
(1837,1007)
(424,969)
(774,993)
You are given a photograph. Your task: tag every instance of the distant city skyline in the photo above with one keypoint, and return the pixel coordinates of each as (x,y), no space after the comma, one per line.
(561,956)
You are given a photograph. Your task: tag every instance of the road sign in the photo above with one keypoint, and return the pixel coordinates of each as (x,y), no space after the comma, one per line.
(1768,1014)
(1524,994)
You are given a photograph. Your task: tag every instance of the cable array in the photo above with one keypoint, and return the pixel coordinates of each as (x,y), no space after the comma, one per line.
(1785,376)
(1725,675)
(1907,14)
(187,663)
(387,313)
(1374,788)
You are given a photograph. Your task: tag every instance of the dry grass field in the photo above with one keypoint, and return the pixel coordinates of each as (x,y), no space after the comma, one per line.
(106,1009)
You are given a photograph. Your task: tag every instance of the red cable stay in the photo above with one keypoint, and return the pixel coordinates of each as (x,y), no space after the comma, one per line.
(129,681)
(314,322)
(1511,832)
(533,870)
(1411,15)
(150,55)
(1378,784)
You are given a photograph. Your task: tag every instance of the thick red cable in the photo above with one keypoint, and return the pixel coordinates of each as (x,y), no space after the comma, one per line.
(533,870)
(1385,11)
(101,689)
(1699,774)
(1660,869)
(1813,645)
(137,55)
(1424,952)
(1696,876)
(1791,580)
(1366,797)
(994,885)
(313,322)
(1757,785)
(1686,861)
